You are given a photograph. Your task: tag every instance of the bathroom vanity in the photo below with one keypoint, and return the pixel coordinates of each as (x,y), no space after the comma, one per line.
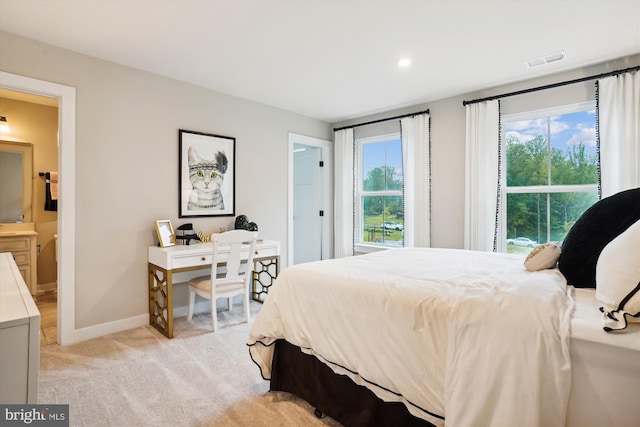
(21,241)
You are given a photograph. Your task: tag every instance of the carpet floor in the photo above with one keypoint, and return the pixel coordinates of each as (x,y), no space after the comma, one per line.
(140,378)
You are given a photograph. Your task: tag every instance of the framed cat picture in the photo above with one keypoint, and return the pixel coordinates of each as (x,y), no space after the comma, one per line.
(206,174)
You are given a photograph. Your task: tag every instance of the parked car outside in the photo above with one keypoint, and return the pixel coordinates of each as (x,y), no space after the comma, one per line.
(522,241)
(393,226)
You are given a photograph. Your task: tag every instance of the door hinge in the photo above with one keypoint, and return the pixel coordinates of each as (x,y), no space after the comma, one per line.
(321,213)
(321,164)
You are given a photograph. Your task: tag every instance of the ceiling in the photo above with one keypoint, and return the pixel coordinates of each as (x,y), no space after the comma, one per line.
(335,60)
(28,97)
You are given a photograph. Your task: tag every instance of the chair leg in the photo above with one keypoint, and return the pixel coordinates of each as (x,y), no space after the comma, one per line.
(245,303)
(214,315)
(192,301)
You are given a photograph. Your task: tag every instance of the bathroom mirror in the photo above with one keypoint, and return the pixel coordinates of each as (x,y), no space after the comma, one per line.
(16,176)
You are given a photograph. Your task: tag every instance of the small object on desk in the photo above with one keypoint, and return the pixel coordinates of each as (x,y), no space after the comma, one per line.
(186,234)
(242,223)
(204,238)
(166,236)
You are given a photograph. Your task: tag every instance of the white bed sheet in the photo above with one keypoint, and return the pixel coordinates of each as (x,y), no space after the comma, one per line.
(470,334)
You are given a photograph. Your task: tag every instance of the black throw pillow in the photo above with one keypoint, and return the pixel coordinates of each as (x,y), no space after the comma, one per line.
(597,226)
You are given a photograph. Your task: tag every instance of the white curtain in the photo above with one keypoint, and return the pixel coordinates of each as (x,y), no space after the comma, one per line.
(343,202)
(482,174)
(619,127)
(416,170)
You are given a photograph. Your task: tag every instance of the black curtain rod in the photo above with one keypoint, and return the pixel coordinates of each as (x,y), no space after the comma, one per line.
(383,120)
(551,86)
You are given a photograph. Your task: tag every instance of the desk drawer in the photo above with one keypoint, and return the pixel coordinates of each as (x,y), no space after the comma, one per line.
(204,260)
(192,261)
(266,252)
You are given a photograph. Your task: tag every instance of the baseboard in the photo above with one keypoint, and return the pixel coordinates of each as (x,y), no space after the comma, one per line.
(137,321)
(47,287)
(110,328)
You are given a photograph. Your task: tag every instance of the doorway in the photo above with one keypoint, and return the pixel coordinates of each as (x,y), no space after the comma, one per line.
(310,199)
(66,97)
(34,132)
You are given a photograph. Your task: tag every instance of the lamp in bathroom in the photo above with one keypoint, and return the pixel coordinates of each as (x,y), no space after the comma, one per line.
(4,125)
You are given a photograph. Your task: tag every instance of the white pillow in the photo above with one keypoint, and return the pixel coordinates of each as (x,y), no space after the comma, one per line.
(542,257)
(618,279)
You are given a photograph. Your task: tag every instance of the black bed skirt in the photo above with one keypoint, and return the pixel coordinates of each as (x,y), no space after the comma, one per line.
(334,395)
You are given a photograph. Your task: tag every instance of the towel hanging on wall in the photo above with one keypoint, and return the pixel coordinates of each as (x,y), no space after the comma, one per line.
(51,203)
(54,185)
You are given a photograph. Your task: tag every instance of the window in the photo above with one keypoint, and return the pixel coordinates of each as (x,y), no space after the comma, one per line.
(379,197)
(550,173)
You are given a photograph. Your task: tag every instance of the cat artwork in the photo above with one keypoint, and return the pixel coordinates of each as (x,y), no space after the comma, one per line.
(206,178)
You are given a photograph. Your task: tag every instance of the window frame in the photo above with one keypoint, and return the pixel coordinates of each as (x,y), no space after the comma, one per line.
(547,189)
(359,244)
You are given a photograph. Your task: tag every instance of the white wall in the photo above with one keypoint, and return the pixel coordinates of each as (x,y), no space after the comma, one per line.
(127,125)
(448,121)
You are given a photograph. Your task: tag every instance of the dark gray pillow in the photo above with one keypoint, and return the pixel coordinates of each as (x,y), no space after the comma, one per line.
(597,226)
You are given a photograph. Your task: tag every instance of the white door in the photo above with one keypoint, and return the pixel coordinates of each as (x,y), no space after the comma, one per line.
(307,203)
(310,202)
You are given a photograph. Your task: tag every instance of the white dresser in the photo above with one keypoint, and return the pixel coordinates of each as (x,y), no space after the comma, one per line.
(19,337)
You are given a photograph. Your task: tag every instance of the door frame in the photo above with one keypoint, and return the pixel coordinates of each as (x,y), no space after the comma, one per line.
(327,181)
(66,96)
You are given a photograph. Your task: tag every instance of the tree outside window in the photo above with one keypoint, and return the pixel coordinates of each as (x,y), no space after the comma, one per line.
(551,174)
(380,211)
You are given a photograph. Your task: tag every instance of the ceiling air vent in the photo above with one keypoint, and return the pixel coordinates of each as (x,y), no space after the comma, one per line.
(544,60)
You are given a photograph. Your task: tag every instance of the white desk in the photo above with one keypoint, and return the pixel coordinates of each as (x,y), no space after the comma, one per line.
(163,262)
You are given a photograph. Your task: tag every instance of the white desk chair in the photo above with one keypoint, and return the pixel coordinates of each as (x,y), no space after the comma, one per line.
(230,283)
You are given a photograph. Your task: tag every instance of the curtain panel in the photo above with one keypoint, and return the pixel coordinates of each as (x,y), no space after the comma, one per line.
(482,186)
(343,194)
(416,165)
(619,131)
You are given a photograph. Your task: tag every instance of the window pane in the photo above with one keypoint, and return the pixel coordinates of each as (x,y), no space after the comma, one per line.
(571,138)
(528,213)
(382,166)
(526,221)
(566,208)
(574,157)
(527,152)
(383,220)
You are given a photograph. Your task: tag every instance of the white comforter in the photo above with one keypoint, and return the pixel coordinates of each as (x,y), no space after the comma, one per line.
(463,338)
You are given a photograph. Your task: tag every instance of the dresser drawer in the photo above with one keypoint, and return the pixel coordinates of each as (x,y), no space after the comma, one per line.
(21,257)
(9,244)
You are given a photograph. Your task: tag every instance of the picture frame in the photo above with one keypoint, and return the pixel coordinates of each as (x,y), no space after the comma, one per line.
(206,175)
(166,235)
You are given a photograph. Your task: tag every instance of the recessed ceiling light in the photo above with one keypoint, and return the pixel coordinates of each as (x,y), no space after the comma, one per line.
(404,62)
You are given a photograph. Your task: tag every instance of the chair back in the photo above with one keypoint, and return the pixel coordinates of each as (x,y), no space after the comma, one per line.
(237,241)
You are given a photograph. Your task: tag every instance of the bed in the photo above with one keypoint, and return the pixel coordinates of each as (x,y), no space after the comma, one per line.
(435,337)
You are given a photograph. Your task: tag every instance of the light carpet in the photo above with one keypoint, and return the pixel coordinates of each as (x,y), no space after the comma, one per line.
(140,378)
